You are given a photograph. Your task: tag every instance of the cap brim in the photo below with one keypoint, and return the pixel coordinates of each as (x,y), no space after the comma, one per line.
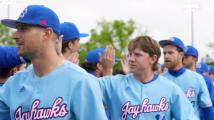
(165,42)
(9,23)
(188,54)
(81,35)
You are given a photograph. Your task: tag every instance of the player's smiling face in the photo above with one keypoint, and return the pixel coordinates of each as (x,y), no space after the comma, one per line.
(172,57)
(28,39)
(139,61)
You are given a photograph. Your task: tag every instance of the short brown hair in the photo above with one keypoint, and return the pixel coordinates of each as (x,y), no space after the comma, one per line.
(148,45)
(65,44)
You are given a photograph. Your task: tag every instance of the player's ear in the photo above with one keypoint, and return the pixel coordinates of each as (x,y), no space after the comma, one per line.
(48,33)
(153,59)
(195,59)
(70,45)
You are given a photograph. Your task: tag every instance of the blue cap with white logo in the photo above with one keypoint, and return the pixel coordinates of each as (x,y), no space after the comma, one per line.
(201,67)
(173,41)
(71,32)
(191,51)
(36,15)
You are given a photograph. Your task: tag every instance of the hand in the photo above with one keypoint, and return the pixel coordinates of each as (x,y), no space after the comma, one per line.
(124,63)
(107,60)
(74,58)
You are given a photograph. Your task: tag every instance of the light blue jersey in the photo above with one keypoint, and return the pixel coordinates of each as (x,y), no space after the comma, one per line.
(193,86)
(127,98)
(67,93)
(8,116)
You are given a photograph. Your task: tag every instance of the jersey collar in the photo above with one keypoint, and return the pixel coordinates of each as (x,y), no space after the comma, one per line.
(178,72)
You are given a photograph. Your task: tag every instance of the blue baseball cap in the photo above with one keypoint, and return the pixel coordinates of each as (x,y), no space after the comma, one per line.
(71,32)
(93,55)
(10,58)
(211,70)
(173,41)
(191,51)
(201,67)
(36,15)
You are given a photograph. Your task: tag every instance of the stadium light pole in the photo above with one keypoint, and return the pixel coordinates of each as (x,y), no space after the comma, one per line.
(191,9)
(8,11)
(8,3)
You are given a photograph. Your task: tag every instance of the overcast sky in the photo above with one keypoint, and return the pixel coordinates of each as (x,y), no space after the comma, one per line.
(162,18)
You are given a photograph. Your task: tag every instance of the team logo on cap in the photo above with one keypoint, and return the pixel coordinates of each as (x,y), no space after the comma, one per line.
(172,39)
(23,13)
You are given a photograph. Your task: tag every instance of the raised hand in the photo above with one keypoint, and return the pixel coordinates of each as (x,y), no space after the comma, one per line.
(107,60)
(74,58)
(124,63)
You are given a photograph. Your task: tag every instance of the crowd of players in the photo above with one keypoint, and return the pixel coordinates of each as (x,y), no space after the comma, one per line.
(41,77)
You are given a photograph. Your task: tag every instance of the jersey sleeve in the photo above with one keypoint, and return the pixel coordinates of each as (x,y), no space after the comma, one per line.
(204,96)
(87,101)
(181,106)
(4,111)
(4,108)
(210,88)
(106,88)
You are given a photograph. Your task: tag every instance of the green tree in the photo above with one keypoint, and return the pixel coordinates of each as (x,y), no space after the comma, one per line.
(116,33)
(5,36)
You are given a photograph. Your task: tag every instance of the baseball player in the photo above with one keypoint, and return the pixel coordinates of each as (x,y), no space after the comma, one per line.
(91,64)
(202,68)
(189,61)
(189,81)
(92,61)
(51,88)
(142,94)
(70,43)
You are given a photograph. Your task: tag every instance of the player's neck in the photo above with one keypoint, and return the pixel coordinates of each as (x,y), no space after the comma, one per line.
(177,67)
(47,62)
(67,54)
(145,76)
